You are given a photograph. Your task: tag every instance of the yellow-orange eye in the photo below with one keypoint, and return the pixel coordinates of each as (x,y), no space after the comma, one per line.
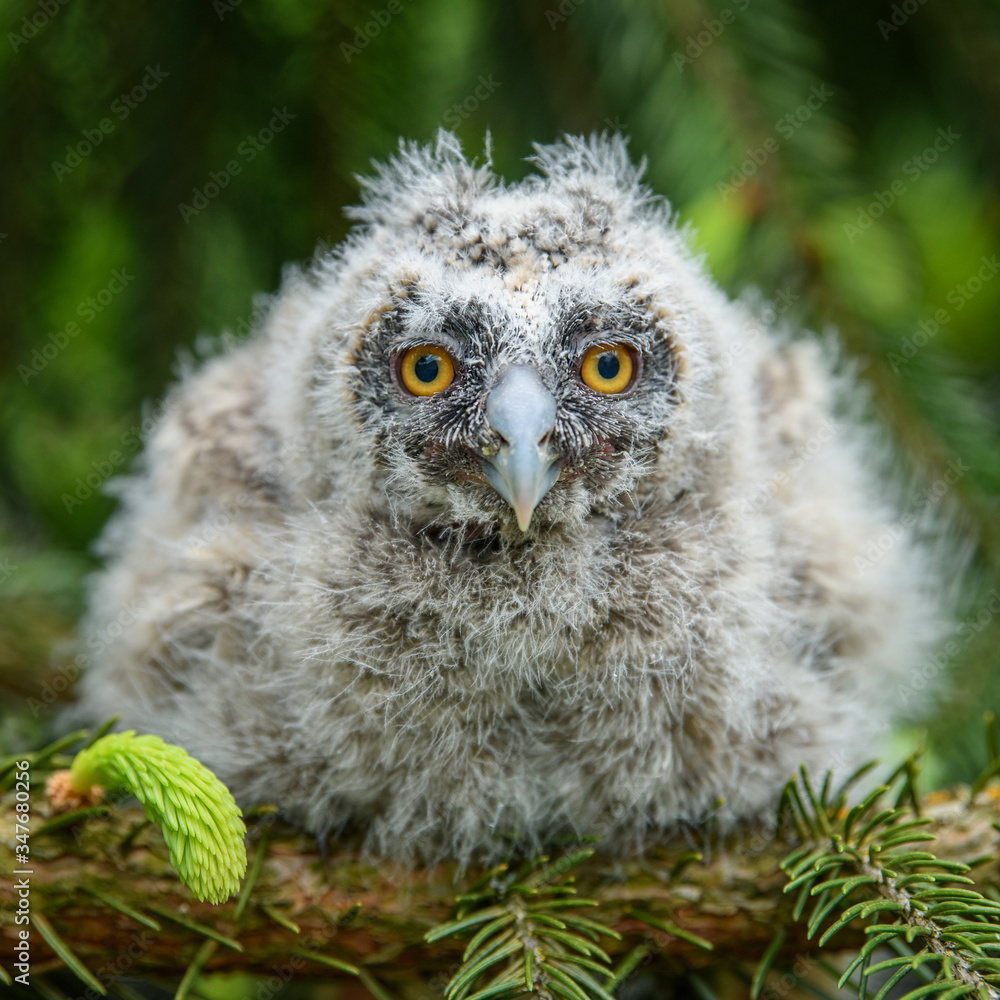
(607,367)
(426,370)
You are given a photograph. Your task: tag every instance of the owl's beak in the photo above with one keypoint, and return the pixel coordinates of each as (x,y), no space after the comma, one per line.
(523,412)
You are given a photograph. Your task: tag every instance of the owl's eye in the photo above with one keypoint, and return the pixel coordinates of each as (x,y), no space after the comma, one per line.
(608,367)
(426,370)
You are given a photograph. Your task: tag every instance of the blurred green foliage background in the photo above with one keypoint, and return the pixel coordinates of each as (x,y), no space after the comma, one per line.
(841,158)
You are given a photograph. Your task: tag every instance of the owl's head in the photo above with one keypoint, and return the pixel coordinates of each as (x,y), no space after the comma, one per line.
(515,356)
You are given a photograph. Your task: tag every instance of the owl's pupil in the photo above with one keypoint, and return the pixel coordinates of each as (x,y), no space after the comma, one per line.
(426,368)
(608,365)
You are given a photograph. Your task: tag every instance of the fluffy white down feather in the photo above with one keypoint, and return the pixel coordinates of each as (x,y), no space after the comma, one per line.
(294,598)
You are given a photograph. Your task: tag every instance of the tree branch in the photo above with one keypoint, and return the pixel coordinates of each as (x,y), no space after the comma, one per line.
(373,914)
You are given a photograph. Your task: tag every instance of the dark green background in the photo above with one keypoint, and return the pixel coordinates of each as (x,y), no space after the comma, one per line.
(882,92)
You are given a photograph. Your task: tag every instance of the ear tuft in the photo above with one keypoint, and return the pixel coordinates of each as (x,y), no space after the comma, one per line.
(419,177)
(599,165)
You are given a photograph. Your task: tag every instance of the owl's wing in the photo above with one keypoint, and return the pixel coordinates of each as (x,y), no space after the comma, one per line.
(184,550)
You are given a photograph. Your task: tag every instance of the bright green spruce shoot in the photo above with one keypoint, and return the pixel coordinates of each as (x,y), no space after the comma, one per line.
(200,820)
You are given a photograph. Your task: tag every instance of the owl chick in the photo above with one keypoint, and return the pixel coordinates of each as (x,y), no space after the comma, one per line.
(508,522)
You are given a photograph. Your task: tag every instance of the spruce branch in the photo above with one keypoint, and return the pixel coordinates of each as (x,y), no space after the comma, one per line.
(867,864)
(524,923)
(103,882)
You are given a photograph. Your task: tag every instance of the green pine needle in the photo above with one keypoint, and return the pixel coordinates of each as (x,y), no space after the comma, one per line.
(523,940)
(200,820)
(859,864)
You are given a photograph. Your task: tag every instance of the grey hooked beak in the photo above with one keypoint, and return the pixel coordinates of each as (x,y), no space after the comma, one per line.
(523,412)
